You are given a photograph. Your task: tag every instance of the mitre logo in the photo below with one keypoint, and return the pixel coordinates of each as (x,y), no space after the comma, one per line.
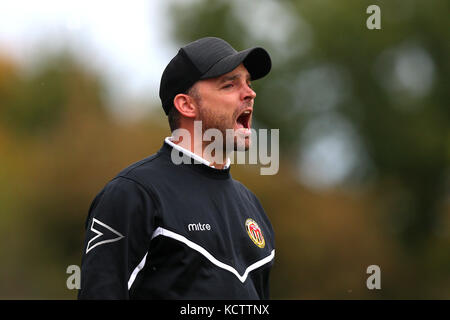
(199,227)
(255,233)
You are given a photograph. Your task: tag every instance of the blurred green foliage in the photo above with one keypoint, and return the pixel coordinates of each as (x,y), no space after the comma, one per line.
(328,64)
(388,88)
(385,91)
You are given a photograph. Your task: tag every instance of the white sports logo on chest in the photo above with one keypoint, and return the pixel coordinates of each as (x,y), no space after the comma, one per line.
(199,227)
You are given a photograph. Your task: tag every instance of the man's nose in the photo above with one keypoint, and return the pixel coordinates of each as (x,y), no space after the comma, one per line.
(248,93)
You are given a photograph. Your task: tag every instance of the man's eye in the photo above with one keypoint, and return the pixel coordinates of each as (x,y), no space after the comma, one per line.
(227,86)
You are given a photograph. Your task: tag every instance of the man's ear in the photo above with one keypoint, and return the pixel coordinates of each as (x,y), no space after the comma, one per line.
(185,105)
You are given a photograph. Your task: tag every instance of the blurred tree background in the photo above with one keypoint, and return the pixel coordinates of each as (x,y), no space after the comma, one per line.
(364,148)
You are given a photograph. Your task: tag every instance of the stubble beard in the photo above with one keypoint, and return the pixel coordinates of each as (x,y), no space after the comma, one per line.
(223,123)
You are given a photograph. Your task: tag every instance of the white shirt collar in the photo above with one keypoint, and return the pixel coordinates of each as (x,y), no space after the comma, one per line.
(193,155)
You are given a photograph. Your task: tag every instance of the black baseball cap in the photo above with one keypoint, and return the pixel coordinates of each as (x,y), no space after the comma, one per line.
(206,58)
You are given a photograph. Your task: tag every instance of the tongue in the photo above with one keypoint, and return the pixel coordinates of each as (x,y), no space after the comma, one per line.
(241,130)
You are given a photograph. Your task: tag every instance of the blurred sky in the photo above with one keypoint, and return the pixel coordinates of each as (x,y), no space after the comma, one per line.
(129,41)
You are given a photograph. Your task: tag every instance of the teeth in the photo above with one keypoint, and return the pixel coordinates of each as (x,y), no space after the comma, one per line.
(246,112)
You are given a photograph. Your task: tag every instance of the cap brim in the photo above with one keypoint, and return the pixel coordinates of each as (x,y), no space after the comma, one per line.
(256,60)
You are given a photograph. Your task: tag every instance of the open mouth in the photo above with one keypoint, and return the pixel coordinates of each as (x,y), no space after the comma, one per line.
(243,120)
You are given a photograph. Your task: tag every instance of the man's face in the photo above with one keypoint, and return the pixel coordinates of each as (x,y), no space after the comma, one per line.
(226,102)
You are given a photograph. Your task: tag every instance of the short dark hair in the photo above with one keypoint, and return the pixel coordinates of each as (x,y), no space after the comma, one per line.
(174,115)
(174,118)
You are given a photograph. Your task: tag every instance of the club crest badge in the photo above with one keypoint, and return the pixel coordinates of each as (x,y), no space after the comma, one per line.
(255,233)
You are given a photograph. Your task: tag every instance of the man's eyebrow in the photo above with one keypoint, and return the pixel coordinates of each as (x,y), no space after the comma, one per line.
(233,77)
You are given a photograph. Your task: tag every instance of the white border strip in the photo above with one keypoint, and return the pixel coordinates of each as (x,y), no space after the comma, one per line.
(164,232)
(136,271)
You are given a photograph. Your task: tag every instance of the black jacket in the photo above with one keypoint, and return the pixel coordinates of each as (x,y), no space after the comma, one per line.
(165,231)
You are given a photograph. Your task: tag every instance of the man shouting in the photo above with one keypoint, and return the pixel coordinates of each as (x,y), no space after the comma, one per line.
(165,229)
